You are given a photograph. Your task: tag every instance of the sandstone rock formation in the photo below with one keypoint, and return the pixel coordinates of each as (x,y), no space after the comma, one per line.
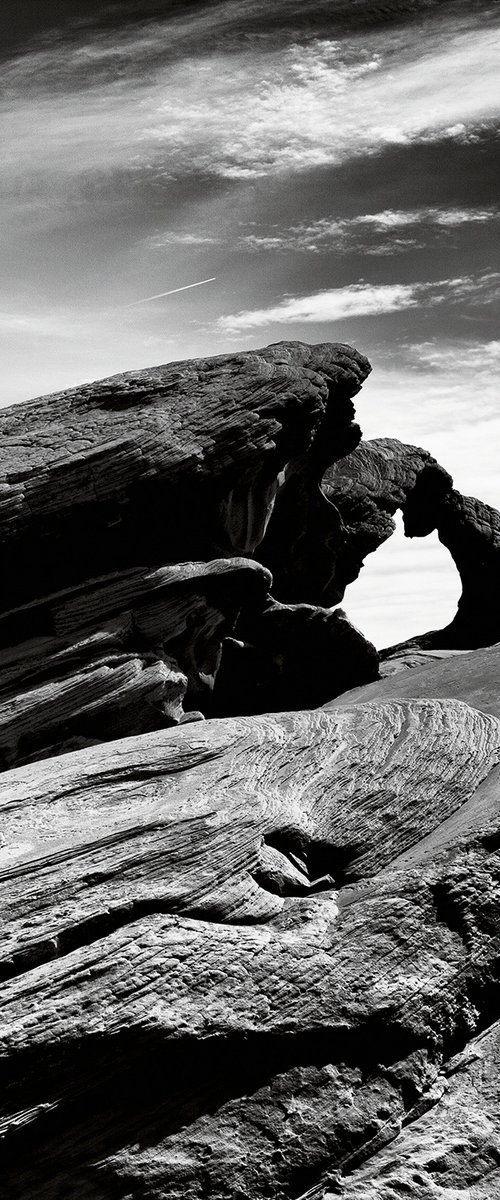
(384,475)
(105,484)
(257,956)
(240,954)
(181,462)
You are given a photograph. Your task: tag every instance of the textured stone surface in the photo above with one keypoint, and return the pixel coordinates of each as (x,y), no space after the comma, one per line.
(182,461)
(238,954)
(252,957)
(367,488)
(118,655)
(103,485)
(473,676)
(453,1149)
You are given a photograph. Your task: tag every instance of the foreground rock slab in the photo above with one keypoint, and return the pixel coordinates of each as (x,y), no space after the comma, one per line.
(239,953)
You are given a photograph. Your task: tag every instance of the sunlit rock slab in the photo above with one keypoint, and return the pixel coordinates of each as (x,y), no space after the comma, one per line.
(453,1148)
(473,677)
(217,979)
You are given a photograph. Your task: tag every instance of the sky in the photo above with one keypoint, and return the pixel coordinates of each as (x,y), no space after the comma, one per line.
(330,166)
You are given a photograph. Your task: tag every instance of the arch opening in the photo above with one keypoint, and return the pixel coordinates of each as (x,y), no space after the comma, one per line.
(406,587)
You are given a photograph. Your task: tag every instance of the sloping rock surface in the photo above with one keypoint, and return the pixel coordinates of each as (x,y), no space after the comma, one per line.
(472,676)
(238,955)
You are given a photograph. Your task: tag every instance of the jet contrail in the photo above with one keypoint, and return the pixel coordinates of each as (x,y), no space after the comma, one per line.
(160,295)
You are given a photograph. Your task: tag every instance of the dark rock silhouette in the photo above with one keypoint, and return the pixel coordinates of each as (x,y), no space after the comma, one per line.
(470,530)
(384,475)
(179,462)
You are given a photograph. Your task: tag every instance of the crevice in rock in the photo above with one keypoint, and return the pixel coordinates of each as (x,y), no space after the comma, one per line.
(450,910)
(482,992)
(301,866)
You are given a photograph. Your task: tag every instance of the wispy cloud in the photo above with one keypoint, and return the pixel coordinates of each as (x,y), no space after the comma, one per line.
(356,300)
(241,115)
(362,299)
(359,232)
(181,238)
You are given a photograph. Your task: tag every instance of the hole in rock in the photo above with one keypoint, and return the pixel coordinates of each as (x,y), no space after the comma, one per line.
(297,866)
(406,587)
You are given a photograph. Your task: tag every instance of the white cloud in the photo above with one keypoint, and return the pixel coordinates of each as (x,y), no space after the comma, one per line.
(355,300)
(444,396)
(361,299)
(180,238)
(346,233)
(239,115)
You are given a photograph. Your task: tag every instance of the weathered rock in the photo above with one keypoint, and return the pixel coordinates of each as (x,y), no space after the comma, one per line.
(453,1148)
(118,655)
(471,532)
(240,953)
(472,676)
(384,475)
(291,656)
(239,956)
(183,461)
(367,488)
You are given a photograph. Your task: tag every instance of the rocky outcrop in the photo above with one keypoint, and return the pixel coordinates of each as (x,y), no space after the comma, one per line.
(470,530)
(104,485)
(119,655)
(367,488)
(385,475)
(181,462)
(253,957)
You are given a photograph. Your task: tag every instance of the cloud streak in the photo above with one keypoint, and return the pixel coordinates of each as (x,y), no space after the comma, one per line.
(358,233)
(243,115)
(362,299)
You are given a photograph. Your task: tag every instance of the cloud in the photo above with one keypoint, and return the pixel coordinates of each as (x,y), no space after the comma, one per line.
(348,233)
(90,109)
(355,300)
(180,238)
(361,299)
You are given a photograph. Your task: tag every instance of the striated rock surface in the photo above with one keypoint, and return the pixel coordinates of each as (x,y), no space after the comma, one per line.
(102,486)
(253,957)
(179,462)
(367,488)
(119,655)
(240,954)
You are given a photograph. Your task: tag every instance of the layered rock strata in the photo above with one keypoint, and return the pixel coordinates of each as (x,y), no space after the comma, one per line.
(180,462)
(254,957)
(242,954)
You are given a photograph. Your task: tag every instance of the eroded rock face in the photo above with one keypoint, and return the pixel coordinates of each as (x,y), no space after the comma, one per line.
(238,955)
(178,462)
(254,957)
(384,475)
(119,655)
(470,530)
(105,484)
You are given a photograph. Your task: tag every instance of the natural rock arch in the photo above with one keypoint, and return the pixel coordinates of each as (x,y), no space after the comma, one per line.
(384,475)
